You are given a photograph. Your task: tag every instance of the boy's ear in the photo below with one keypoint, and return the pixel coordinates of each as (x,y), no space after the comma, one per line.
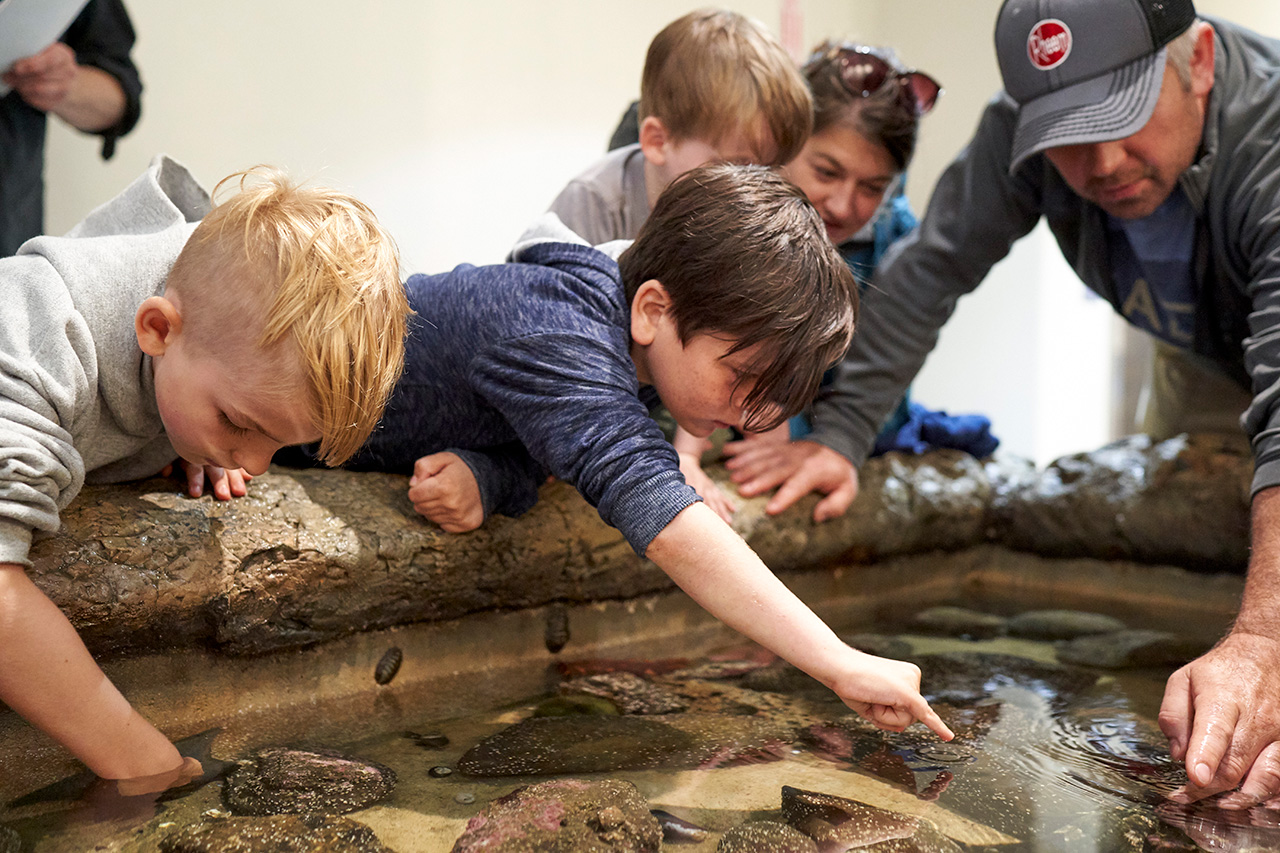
(157,324)
(648,307)
(653,140)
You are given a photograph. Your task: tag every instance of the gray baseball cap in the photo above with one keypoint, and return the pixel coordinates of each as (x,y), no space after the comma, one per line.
(1084,71)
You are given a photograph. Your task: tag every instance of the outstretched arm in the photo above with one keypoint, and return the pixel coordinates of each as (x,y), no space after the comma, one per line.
(49,678)
(1221,712)
(710,562)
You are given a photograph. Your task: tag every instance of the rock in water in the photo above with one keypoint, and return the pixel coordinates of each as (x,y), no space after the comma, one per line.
(1129,648)
(275,834)
(543,746)
(959,622)
(765,836)
(629,692)
(677,830)
(1062,624)
(838,824)
(279,780)
(565,816)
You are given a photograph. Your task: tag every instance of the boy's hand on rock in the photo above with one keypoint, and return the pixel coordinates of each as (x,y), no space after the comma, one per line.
(711,494)
(444,490)
(224,483)
(887,692)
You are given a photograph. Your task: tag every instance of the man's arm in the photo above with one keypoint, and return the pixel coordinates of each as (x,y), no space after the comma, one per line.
(48,677)
(712,563)
(1221,712)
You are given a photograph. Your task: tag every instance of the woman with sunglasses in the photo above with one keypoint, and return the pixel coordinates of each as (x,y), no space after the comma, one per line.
(867,111)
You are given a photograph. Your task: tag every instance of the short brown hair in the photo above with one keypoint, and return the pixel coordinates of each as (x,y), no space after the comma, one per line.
(743,254)
(883,117)
(279,264)
(713,72)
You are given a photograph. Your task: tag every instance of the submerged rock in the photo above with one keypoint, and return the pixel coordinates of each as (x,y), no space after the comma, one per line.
(765,836)
(279,780)
(782,677)
(1061,624)
(553,745)
(1129,648)
(564,816)
(677,830)
(879,645)
(576,706)
(959,622)
(275,834)
(628,691)
(838,824)
(961,678)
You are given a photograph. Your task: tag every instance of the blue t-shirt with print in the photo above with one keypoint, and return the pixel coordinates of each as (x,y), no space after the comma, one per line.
(1151,268)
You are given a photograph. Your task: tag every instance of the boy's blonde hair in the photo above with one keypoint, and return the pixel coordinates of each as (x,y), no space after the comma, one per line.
(305,268)
(713,72)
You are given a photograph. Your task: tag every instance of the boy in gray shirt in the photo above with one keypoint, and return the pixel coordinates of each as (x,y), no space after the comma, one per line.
(159,329)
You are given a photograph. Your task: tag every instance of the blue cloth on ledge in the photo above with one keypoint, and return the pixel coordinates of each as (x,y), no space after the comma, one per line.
(926,429)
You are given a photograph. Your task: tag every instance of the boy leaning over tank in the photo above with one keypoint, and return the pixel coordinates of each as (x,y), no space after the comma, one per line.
(728,307)
(157,330)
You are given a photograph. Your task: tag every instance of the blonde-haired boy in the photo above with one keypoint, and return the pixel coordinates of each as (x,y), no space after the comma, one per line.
(716,86)
(154,331)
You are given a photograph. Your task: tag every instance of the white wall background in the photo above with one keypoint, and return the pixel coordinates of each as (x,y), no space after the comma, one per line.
(460,121)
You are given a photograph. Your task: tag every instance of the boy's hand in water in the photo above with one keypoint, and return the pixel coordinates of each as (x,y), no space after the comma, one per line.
(444,490)
(887,692)
(224,483)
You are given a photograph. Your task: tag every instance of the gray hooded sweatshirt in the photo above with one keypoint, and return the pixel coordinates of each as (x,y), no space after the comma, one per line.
(77,397)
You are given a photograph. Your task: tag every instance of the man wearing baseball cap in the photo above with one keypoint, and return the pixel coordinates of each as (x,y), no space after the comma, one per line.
(1150,142)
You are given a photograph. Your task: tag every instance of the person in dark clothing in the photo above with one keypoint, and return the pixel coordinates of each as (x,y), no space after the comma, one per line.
(88,80)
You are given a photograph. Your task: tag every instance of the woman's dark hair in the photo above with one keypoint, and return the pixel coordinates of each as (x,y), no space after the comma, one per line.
(884,116)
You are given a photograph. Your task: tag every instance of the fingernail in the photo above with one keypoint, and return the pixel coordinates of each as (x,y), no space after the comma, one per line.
(1203,774)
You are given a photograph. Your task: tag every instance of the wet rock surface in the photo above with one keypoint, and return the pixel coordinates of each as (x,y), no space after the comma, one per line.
(280,780)
(1129,648)
(765,836)
(628,691)
(311,555)
(565,816)
(952,621)
(275,834)
(558,745)
(1184,502)
(966,677)
(837,823)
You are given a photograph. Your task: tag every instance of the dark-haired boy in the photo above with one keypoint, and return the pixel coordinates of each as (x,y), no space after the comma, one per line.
(729,307)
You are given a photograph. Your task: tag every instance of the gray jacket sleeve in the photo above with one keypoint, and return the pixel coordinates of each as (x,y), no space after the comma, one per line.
(975,215)
(47,373)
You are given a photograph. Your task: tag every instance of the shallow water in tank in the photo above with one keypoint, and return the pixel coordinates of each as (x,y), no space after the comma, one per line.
(1047,759)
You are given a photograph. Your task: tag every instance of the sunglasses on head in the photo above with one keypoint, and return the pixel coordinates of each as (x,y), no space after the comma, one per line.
(863,72)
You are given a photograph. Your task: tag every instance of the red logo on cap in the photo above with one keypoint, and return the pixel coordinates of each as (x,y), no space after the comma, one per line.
(1049,44)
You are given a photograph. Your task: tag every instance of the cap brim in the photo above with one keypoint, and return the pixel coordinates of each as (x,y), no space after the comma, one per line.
(1110,106)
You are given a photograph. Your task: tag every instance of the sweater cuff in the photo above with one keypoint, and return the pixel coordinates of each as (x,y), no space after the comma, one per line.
(15,542)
